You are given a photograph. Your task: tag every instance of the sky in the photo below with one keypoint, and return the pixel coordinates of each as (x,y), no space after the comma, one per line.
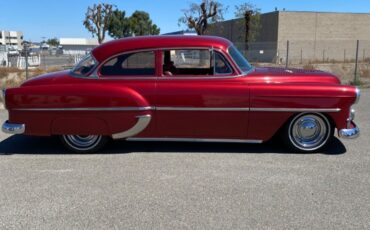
(63,18)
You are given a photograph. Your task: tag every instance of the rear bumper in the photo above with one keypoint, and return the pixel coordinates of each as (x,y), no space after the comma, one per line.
(13,128)
(350,133)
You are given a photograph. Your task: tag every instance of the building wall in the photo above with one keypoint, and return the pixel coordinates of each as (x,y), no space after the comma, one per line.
(12,38)
(321,36)
(313,36)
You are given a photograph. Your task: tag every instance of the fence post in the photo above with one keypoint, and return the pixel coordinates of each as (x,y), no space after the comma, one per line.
(287,54)
(26,58)
(344,60)
(301,56)
(323,55)
(356,63)
(363,55)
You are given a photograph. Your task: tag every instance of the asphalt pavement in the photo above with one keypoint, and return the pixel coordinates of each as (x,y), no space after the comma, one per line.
(137,185)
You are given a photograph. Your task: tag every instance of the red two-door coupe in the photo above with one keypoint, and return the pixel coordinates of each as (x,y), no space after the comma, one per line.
(180,88)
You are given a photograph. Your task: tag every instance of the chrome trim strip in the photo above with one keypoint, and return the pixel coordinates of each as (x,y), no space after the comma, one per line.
(147,108)
(196,140)
(141,124)
(199,109)
(10,128)
(90,109)
(328,110)
(358,95)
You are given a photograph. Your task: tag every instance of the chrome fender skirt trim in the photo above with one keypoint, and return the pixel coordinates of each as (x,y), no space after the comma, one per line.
(197,140)
(141,124)
(10,128)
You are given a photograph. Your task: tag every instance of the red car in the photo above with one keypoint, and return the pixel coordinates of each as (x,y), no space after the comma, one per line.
(181,88)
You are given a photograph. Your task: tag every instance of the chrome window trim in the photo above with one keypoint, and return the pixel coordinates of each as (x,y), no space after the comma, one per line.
(95,74)
(196,140)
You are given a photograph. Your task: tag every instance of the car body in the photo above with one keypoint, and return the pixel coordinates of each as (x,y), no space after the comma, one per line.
(181,88)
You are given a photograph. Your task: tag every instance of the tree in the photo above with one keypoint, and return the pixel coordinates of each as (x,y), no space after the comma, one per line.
(252,17)
(53,42)
(141,24)
(199,16)
(138,24)
(97,20)
(119,25)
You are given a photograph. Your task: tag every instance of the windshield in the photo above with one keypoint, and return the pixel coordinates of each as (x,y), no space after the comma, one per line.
(239,59)
(85,65)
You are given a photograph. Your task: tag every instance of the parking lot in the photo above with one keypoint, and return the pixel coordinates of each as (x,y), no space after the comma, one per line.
(136,185)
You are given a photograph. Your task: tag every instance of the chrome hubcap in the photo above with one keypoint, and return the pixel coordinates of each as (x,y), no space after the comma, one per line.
(81,142)
(309,132)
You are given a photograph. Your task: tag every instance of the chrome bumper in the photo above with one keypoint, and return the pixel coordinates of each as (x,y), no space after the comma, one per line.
(349,133)
(13,128)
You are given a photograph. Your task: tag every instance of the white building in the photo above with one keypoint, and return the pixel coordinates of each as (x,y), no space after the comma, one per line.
(77,45)
(12,39)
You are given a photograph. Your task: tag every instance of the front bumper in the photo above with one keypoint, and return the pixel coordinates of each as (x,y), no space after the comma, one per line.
(13,128)
(350,133)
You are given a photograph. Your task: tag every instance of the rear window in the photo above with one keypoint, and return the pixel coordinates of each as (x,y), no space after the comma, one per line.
(132,64)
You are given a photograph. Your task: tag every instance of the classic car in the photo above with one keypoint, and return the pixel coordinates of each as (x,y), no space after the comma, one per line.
(181,88)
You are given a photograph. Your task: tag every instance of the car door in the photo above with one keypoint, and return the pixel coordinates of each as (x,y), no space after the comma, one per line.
(199,96)
(131,77)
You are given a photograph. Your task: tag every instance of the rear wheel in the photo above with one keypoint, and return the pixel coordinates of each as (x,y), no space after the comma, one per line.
(308,132)
(84,143)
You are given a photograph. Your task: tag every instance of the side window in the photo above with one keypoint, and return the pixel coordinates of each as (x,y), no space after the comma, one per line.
(221,65)
(132,64)
(187,62)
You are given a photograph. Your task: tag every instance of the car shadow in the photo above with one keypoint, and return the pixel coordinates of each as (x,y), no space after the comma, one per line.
(20,144)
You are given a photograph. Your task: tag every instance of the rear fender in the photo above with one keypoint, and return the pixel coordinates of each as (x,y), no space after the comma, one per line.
(76,109)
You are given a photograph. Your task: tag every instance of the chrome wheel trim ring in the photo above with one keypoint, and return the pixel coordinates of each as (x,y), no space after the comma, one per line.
(82,143)
(309,132)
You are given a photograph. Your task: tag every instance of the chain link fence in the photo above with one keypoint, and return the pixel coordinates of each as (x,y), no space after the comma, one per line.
(350,60)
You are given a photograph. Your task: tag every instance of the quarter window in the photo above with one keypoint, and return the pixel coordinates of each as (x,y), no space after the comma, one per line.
(132,64)
(221,65)
(85,66)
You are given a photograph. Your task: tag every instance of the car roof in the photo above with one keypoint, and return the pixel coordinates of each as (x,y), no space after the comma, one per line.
(114,47)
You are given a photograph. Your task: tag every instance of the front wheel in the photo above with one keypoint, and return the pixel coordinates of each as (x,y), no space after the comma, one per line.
(308,132)
(84,143)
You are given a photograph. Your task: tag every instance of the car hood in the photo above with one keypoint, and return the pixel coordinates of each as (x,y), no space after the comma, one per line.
(49,78)
(282,75)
